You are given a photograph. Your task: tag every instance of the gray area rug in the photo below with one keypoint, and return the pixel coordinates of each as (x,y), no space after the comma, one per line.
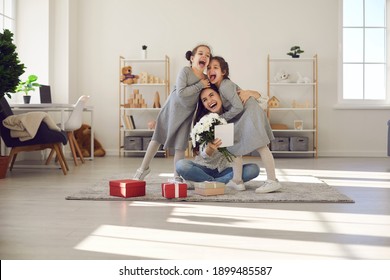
(295,189)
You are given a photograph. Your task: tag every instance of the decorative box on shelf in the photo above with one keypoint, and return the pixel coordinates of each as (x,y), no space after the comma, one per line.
(127,188)
(209,188)
(280,144)
(299,143)
(174,190)
(133,143)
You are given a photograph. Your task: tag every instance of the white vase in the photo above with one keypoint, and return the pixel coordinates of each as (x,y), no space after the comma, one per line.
(144,54)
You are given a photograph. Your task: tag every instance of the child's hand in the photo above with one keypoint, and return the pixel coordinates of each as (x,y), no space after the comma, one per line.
(245,94)
(206,83)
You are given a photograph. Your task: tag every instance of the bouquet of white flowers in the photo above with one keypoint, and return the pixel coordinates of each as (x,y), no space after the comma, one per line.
(203,132)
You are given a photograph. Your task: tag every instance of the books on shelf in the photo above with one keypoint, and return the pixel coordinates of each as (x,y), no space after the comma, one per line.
(132,123)
(123,121)
(128,121)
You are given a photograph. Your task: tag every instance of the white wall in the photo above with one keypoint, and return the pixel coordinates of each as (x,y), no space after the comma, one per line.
(97,32)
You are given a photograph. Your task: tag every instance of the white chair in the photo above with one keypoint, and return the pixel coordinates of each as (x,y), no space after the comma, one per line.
(73,123)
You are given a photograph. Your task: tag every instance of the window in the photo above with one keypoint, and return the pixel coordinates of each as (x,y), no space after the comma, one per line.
(7,15)
(364,65)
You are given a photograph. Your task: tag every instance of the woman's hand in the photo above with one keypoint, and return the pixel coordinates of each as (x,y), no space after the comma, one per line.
(245,94)
(213,146)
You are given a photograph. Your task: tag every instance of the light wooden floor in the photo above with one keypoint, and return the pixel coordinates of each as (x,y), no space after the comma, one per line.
(36,222)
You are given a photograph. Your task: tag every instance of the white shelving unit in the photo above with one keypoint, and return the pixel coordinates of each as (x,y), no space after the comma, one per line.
(141,116)
(297,101)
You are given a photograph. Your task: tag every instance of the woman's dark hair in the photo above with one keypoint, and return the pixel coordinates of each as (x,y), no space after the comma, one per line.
(193,52)
(200,112)
(223,64)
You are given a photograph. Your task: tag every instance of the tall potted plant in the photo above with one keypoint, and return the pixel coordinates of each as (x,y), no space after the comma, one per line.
(10,71)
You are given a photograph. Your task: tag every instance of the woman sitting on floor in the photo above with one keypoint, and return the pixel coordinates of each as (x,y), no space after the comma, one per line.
(210,164)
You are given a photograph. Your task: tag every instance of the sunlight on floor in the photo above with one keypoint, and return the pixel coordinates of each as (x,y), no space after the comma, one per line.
(262,235)
(336,174)
(340,223)
(344,178)
(358,183)
(331,177)
(282,220)
(170,244)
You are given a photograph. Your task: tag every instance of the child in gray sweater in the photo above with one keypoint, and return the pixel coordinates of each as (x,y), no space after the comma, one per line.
(174,120)
(252,131)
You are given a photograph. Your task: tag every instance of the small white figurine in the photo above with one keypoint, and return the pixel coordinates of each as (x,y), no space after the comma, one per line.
(303,80)
(282,77)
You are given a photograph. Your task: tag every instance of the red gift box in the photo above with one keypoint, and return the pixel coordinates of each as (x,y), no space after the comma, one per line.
(127,188)
(174,190)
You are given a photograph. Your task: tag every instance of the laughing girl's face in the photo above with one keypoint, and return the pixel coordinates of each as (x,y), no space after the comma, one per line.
(211,100)
(201,59)
(214,72)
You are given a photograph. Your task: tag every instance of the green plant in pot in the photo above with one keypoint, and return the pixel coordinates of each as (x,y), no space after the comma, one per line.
(26,86)
(10,71)
(295,51)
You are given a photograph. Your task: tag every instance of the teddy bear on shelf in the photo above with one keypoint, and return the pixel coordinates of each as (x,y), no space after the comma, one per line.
(282,77)
(83,138)
(127,76)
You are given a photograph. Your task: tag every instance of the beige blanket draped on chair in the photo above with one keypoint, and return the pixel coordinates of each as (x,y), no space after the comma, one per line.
(25,126)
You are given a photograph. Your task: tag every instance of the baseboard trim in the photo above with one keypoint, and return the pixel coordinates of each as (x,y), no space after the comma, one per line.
(378,154)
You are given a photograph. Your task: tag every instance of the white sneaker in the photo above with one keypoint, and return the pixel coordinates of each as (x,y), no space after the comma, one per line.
(190,185)
(238,187)
(177,179)
(140,174)
(269,186)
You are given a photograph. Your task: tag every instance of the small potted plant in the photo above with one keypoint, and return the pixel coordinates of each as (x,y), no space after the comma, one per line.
(26,86)
(295,51)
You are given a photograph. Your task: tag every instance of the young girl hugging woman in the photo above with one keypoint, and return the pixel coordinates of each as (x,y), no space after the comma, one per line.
(173,123)
(210,164)
(252,131)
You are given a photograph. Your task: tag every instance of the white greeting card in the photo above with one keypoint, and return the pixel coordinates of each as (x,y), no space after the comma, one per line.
(225,132)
